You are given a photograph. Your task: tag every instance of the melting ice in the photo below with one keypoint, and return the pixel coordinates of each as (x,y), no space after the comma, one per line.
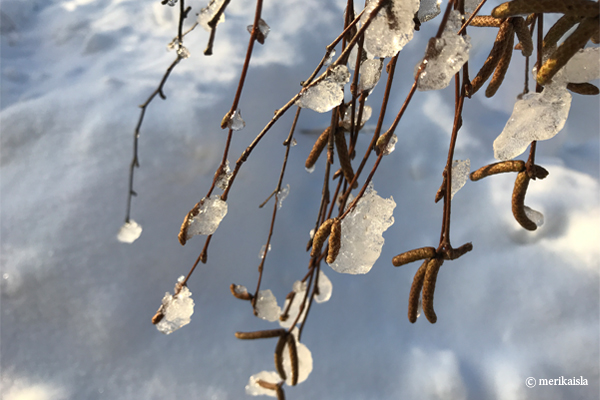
(299,289)
(535,216)
(209,12)
(325,288)
(460,174)
(210,215)
(129,232)
(428,10)
(282,195)
(266,306)
(370,72)
(326,94)
(254,389)
(177,311)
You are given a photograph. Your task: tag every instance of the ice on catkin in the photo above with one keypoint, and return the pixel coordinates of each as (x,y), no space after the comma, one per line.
(362,233)
(130,231)
(210,215)
(460,173)
(266,306)
(254,389)
(326,94)
(370,72)
(535,216)
(176,310)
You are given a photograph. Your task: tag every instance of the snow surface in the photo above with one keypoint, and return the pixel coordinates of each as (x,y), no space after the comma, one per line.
(76,304)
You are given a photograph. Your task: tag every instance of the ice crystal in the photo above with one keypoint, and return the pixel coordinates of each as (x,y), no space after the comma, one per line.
(129,232)
(266,306)
(209,12)
(294,142)
(240,289)
(325,288)
(428,10)
(329,59)
(172,3)
(460,174)
(235,121)
(391,146)
(370,72)
(183,52)
(264,251)
(310,170)
(211,213)
(224,176)
(366,115)
(263,31)
(254,389)
(362,233)
(177,310)
(326,94)
(535,216)
(282,195)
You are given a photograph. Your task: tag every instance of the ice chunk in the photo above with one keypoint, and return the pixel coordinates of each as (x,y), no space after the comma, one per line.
(282,195)
(176,311)
(172,2)
(325,288)
(266,306)
(326,94)
(299,289)
(208,13)
(329,59)
(183,52)
(241,290)
(235,121)
(428,10)
(391,29)
(536,116)
(391,146)
(294,142)
(535,216)
(445,56)
(224,176)
(370,72)
(254,389)
(460,174)
(362,233)
(305,361)
(263,29)
(209,216)
(263,253)
(366,115)
(129,232)
(584,66)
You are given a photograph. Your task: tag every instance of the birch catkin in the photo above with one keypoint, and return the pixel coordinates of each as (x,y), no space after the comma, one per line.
(342,150)
(502,67)
(525,39)
(279,356)
(498,168)
(570,7)
(335,241)
(266,334)
(585,88)
(559,29)
(486,21)
(493,58)
(433,267)
(415,292)
(413,255)
(317,149)
(320,237)
(518,201)
(293,358)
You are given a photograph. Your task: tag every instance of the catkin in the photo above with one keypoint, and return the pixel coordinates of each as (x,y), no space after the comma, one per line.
(498,168)
(567,49)
(413,255)
(320,237)
(585,88)
(518,201)
(525,39)
(342,150)
(317,149)
(539,172)
(433,267)
(486,21)
(335,241)
(493,58)
(559,28)
(158,316)
(570,7)
(415,292)
(266,334)
(502,67)
(293,358)
(279,356)
(266,385)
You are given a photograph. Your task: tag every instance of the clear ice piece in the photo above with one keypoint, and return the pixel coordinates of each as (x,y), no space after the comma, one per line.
(209,216)
(177,311)
(224,176)
(366,115)
(129,232)
(391,29)
(325,288)
(535,216)
(445,57)
(183,52)
(235,121)
(370,72)
(329,59)
(584,66)
(362,233)
(460,174)
(294,142)
(282,195)
(208,13)
(536,116)
(327,93)
(264,30)
(391,146)
(263,253)
(254,389)
(311,169)
(428,10)
(299,289)
(305,360)
(266,306)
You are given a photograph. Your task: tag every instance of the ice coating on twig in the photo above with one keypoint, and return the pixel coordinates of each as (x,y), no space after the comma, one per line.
(224,176)
(235,121)
(264,251)
(445,56)
(240,289)
(535,216)
(428,10)
(362,233)
(183,52)
(129,232)
(391,146)
(325,288)
(299,289)
(209,12)
(391,29)
(177,311)
(460,173)
(262,27)
(584,66)
(370,72)
(329,59)
(254,389)
(536,116)
(266,306)
(209,216)
(305,360)
(282,195)
(326,94)
(366,115)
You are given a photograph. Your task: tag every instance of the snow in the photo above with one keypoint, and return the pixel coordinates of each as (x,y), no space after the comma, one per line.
(266,306)
(254,389)
(224,176)
(129,232)
(362,233)
(326,94)
(209,216)
(325,288)
(460,174)
(177,311)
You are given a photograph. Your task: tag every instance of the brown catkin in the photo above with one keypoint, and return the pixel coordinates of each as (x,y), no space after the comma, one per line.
(567,49)
(518,201)
(415,292)
(320,237)
(293,358)
(585,88)
(317,149)
(539,172)
(493,58)
(502,67)
(413,255)
(433,267)
(279,356)
(266,385)
(335,241)
(525,39)
(570,7)
(158,316)
(559,29)
(266,334)
(498,168)
(486,21)
(280,393)
(342,150)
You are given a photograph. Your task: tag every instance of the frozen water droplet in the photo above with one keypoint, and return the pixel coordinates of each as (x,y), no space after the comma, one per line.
(263,31)
(428,10)
(366,115)
(177,311)
(209,216)
(325,288)
(240,289)
(310,170)
(266,306)
(263,253)
(329,59)
(224,176)
(584,66)
(460,174)
(183,52)
(326,94)
(129,232)
(370,72)
(282,195)
(294,142)
(254,389)
(535,216)
(208,13)
(172,44)
(391,146)
(235,121)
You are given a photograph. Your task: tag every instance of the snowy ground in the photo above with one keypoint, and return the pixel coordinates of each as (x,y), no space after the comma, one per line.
(76,304)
